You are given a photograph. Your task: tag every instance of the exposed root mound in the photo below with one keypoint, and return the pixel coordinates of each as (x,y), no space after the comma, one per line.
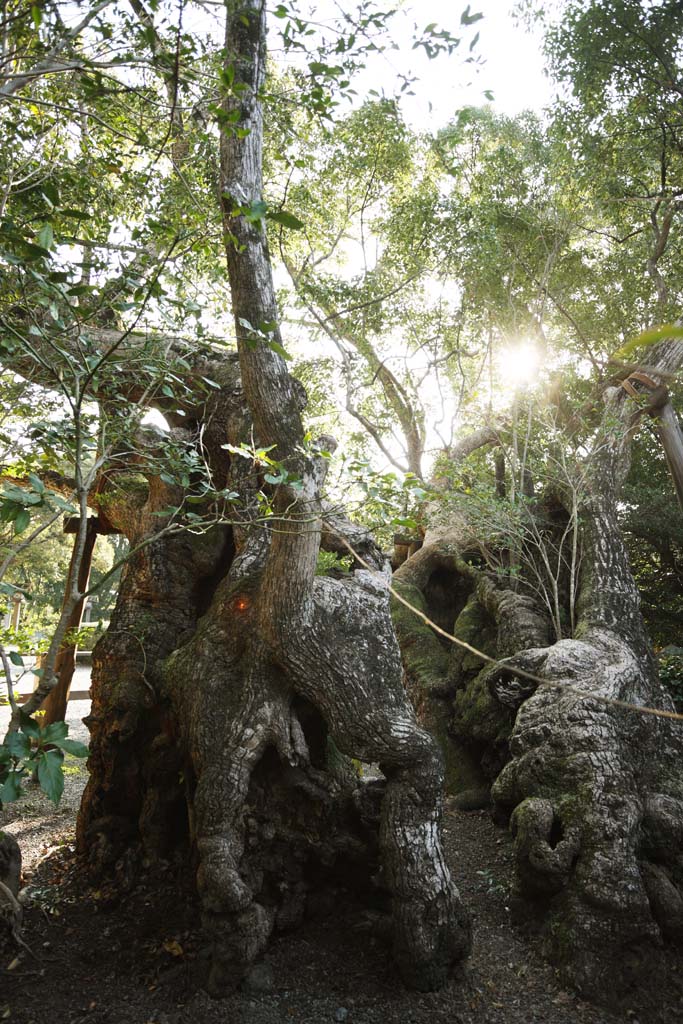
(335,673)
(578,789)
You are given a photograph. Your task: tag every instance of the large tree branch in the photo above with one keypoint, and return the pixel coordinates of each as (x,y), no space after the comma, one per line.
(141,357)
(466,446)
(267,384)
(270,391)
(608,598)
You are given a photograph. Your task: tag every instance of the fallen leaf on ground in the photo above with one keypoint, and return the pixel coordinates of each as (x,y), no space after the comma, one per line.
(173,947)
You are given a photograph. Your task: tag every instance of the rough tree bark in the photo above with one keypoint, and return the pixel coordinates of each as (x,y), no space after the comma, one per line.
(593,790)
(230,664)
(11,910)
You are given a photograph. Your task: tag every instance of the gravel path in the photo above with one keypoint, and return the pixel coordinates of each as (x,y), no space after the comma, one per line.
(38,826)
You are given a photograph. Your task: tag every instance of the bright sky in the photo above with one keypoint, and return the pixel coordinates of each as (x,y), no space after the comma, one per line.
(512,56)
(509,65)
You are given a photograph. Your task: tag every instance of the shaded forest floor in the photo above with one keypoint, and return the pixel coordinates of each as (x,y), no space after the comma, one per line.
(102,958)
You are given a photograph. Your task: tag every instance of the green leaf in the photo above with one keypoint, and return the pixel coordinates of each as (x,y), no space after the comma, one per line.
(50,775)
(74,747)
(28,726)
(59,502)
(33,252)
(50,193)
(407,523)
(317,68)
(46,236)
(36,483)
(276,347)
(22,520)
(75,214)
(227,75)
(647,338)
(19,745)
(16,658)
(54,732)
(469,19)
(287,220)
(36,15)
(256,210)
(11,790)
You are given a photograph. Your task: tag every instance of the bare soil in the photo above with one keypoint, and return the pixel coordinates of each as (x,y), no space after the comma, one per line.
(99,956)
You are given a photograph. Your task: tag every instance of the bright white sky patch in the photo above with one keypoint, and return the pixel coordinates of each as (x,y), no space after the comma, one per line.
(511,68)
(518,365)
(507,61)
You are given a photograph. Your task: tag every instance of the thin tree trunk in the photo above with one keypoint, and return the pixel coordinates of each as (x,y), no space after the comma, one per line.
(55,703)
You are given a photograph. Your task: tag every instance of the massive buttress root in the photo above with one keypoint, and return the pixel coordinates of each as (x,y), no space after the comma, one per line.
(340,656)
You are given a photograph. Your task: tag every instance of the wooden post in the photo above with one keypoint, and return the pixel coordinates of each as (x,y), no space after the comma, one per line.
(15,617)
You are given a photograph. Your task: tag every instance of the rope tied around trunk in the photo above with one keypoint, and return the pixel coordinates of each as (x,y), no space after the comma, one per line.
(503,663)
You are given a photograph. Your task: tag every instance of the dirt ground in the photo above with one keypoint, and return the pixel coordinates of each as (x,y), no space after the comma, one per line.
(98,957)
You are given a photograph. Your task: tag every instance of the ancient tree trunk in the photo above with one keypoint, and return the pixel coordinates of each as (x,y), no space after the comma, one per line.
(444,680)
(229,664)
(593,789)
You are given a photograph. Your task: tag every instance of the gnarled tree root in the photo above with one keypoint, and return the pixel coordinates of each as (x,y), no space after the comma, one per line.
(356,690)
(596,856)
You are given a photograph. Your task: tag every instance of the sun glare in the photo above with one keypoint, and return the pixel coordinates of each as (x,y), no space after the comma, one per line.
(518,365)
